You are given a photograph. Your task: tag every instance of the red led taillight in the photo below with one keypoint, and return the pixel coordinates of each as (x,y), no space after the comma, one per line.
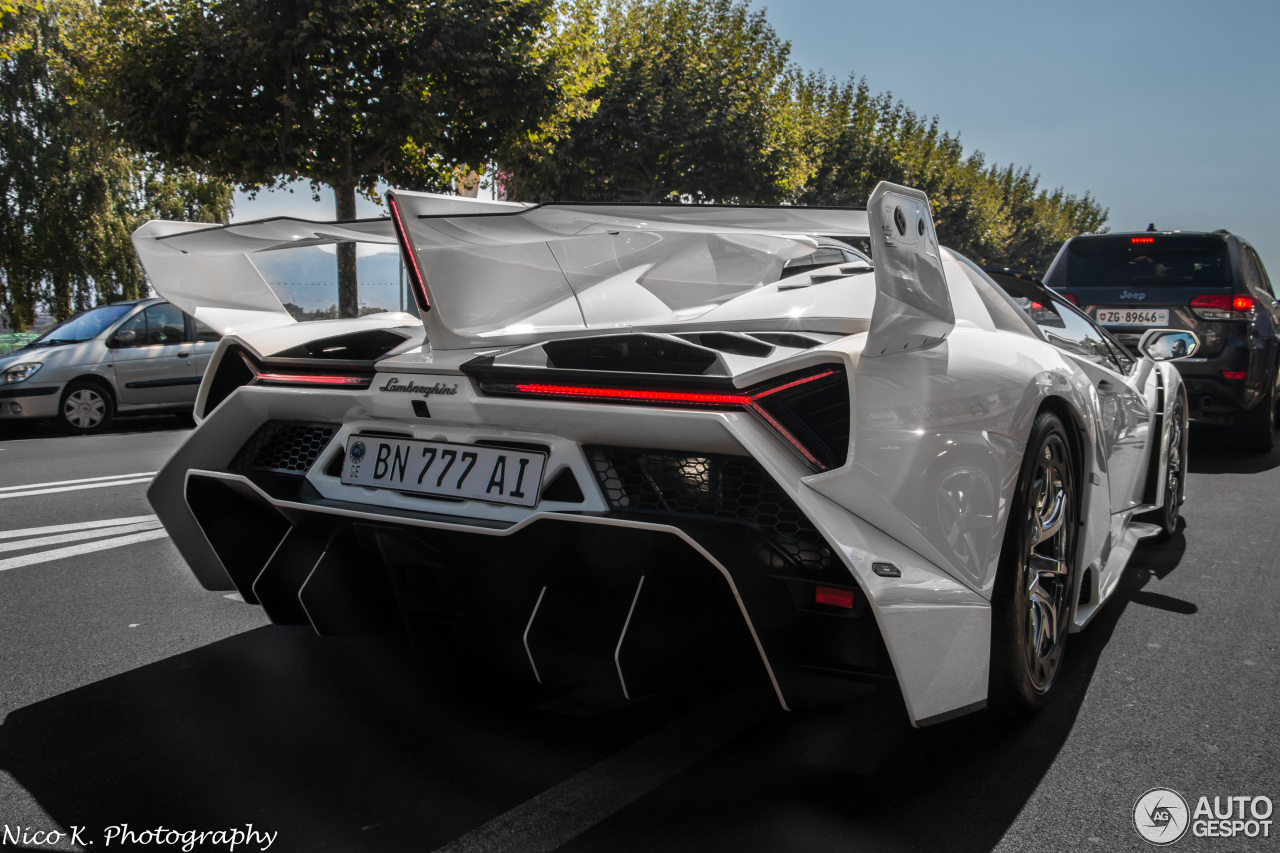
(1223,306)
(327,380)
(1235,375)
(750,402)
(834,597)
(1221,302)
(410,257)
(631,395)
(334,380)
(1142,239)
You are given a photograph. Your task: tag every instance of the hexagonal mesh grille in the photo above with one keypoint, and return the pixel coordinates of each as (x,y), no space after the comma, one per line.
(709,486)
(284,447)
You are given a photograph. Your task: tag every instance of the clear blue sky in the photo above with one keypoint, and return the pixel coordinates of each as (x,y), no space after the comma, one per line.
(1168,112)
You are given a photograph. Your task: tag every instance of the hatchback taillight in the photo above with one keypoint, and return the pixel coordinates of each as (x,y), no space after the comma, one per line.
(1223,306)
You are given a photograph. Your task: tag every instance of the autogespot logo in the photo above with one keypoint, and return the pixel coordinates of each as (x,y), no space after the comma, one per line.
(1160,816)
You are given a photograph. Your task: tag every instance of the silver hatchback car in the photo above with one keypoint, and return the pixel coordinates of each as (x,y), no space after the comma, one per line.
(138,357)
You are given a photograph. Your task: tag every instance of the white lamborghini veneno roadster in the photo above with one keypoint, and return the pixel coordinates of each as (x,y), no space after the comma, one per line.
(629,444)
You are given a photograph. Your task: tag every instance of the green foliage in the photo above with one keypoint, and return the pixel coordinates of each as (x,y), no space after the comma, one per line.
(341,92)
(71,194)
(661,98)
(696,100)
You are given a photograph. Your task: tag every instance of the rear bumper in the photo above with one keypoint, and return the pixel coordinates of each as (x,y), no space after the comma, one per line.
(558,601)
(1211,397)
(562,596)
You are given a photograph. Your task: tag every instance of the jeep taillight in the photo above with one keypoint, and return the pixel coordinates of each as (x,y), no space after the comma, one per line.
(1223,306)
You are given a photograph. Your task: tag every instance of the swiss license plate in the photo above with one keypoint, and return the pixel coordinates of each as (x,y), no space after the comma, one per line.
(1133,316)
(469,472)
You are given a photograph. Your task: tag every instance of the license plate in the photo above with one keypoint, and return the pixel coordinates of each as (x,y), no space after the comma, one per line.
(1133,316)
(469,472)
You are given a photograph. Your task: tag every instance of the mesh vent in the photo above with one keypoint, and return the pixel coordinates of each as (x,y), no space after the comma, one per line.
(709,486)
(284,447)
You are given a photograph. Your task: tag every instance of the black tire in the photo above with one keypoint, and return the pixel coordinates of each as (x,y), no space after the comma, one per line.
(86,407)
(1032,599)
(1175,472)
(1256,429)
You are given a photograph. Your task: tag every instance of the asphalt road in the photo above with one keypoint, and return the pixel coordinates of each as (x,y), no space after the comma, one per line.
(130,695)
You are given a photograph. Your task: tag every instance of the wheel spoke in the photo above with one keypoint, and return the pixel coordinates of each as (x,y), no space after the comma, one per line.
(1051,521)
(1046,575)
(1048,620)
(1047,568)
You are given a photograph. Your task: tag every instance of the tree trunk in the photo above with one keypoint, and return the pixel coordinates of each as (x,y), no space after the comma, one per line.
(60,305)
(348,283)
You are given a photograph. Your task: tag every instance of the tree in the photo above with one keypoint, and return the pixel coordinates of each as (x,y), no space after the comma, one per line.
(661,98)
(71,195)
(994,215)
(339,92)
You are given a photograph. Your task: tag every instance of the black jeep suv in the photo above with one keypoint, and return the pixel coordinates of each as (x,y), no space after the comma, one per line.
(1214,285)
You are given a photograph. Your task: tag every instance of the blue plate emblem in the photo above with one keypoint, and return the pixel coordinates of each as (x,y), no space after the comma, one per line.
(357,451)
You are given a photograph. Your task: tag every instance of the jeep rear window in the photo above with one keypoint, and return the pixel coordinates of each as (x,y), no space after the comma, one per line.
(1149,261)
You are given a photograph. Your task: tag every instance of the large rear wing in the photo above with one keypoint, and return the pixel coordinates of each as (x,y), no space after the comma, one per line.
(488,273)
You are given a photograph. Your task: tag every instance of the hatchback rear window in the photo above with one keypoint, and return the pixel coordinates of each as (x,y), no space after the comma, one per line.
(1149,261)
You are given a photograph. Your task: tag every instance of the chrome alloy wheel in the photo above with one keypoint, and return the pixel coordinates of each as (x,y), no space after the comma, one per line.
(84,408)
(1046,563)
(1173,473)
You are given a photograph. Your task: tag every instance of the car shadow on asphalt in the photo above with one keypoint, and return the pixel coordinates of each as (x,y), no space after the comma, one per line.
(338,744)
(1213,450)
(858,777)
(346,745)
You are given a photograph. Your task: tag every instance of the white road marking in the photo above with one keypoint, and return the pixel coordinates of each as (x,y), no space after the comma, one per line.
(82,480)
(79,536)
(77,550)
(562,813)
(146,479)
(79,525)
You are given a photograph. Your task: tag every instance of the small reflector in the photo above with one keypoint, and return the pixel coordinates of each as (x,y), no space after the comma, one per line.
(834,597)
(1142,239)
(1237,375)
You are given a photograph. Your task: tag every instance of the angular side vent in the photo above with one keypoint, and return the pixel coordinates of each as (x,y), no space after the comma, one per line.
(817,414)
(230,373)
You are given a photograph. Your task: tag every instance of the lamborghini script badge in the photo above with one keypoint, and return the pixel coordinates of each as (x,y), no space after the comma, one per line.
(393,384)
